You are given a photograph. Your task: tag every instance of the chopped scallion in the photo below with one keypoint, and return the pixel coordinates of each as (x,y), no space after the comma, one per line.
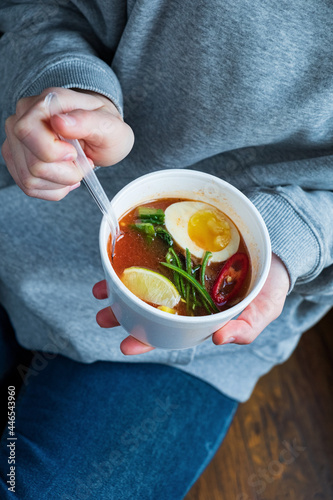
(153,215)
(163,233)
(206,258)
(145,228)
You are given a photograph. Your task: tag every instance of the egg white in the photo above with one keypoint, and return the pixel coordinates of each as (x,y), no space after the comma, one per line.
(177,217)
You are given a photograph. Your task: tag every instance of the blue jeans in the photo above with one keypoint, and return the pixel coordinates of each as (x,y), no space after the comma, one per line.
(110,431)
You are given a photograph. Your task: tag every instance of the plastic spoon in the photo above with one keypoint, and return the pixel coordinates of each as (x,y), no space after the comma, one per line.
(90,179)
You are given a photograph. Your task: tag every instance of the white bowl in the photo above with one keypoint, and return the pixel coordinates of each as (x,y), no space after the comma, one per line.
(169,331)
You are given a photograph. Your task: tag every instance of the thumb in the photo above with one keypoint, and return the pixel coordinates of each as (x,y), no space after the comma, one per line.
(105,138)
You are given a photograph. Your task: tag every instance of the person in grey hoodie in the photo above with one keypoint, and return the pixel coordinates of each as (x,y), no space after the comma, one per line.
(241,90)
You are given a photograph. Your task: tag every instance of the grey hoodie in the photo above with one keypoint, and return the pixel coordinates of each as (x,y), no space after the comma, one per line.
(240,89)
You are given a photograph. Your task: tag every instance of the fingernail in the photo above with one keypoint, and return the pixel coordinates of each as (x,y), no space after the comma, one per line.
(230,340)
(75,186)
(69,157)
(69,120)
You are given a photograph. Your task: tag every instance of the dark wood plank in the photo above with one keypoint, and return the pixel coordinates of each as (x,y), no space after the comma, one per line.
(280,444)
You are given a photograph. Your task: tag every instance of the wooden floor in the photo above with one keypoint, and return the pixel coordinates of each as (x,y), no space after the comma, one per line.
(280,444)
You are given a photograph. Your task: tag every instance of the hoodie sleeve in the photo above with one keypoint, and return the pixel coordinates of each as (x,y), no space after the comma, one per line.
(54,43)
(300,224)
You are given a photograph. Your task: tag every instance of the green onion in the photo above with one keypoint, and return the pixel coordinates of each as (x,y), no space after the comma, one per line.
(207,307)
(188,264)
(145,228)
(194,300)
(206,258)
(178,264)
(196,303)
(163,233)
(153,215)
(173,253)
(170,259)
(203,292)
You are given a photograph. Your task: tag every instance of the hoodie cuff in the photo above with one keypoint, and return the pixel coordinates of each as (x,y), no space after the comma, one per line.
(84,72)
(292,238)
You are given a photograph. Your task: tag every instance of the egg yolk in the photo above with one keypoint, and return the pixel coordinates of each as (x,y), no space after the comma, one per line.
(209,230)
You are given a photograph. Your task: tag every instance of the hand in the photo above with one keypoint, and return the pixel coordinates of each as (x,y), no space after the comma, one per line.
(41,164)
(264,309)
(106,319)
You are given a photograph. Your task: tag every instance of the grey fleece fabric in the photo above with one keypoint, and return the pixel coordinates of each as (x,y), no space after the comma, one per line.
(240,89)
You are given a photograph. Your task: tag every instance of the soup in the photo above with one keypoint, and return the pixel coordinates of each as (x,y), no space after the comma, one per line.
(184,257)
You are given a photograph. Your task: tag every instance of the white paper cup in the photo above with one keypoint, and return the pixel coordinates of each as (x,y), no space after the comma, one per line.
(169,331)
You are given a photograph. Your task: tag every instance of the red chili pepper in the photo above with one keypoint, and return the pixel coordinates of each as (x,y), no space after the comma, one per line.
(230,279)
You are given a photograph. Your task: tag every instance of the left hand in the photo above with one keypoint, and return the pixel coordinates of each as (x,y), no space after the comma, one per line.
(264,309)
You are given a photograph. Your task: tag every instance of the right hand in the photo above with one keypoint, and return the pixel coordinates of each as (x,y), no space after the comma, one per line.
(41,164)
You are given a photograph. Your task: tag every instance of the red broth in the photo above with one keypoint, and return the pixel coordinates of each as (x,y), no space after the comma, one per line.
(133,249)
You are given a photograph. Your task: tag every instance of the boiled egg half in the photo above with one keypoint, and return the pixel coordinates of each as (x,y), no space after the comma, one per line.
(201,227)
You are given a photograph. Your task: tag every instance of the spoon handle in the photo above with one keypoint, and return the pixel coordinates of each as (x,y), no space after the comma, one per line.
(93,185)
(90,179)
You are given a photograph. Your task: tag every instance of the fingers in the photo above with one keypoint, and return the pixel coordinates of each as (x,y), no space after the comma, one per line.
(32,124)
(107,139)
(249,324)
(264,309)
(29,184)
(106,319)
(131,346)
(57,175)
(100,290)
(33,130)
(68,99)
(42,164)
(48,181)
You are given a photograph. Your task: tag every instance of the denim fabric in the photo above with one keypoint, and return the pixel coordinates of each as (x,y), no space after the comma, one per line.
(112,431)
(11,356)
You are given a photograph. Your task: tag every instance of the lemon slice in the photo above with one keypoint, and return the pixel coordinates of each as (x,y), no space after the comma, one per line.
(167,309)
(150,286)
